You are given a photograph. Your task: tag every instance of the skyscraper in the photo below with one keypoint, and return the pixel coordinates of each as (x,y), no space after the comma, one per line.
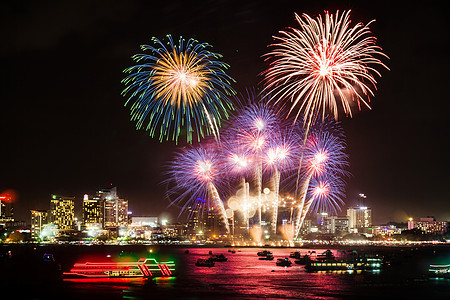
(92,211)
(39,218)
(360,219)
(6,207)
(115,210)
(62,212)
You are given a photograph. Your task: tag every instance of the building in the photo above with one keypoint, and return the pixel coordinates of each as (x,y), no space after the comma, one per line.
(335,225)
(195,224)
(145,221)
(428,225)
(115,213)
(115,210)
(360,219)
(92,211)
(6,207)
(62,212)
(39,218)
(307,227)
(386,230)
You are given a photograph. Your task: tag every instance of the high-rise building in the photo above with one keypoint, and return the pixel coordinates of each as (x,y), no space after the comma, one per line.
(335,225)
(62,212)
(115,210)
(6,207)
(92,211)
(39,218)
(195,224)
(360,219)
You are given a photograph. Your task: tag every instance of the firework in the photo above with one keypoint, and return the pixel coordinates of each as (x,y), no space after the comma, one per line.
(326,193)
(254,127)
(326,64)
(178,87)
(324,155)
(281,154)
(194,174)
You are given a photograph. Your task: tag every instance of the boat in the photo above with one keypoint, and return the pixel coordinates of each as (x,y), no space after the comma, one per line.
(219,258)
(186,251)
(283,262)
(232,251)
(326,256)
(328,266)
(205,262)
(303,260)
(295,254)
(439,271)
(328,262)
(267,257)
(264,253)
(144,267)
(369,262)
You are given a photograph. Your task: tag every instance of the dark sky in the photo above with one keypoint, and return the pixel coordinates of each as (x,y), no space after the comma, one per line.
(64,128)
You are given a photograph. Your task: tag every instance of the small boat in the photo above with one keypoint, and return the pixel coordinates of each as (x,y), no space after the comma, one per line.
(268,257)
(186,252)
(264,253)
(283,262)
(295,254)
(303,260)
(232,251)
(219,258)
(439,271)
(205,263)
(326,256)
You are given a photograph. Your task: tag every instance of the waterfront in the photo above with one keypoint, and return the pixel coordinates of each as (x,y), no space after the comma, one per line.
(242,276)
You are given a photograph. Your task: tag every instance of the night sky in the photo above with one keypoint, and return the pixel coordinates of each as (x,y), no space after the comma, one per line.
(64,128)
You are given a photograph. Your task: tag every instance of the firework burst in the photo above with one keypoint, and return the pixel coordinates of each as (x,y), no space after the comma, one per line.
(326,193)
(326,64)
(194,174)
(178,87)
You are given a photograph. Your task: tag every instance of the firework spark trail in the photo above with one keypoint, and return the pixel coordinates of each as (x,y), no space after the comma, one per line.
(281,154)
(276,178)
(219,204)
(178,87)
(301,207)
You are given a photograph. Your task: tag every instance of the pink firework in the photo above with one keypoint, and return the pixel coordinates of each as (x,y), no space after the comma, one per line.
(326,64)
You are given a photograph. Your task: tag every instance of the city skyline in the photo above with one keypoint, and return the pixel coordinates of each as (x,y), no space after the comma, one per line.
(65,129)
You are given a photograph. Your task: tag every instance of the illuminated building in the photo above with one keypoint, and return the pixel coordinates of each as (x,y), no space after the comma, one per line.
(214,225)
(62,212)
(195,225)
(428,225)
(306,227)
(92,211)
(386,230)
(39,218)
(360,220)
(145,221)
(115,213)
(6,207)
(115,210)
(335,225)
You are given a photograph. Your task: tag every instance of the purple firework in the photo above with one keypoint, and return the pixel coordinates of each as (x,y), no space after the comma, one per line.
(326,193)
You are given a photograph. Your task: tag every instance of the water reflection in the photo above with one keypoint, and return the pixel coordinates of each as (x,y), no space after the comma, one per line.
(245,276)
